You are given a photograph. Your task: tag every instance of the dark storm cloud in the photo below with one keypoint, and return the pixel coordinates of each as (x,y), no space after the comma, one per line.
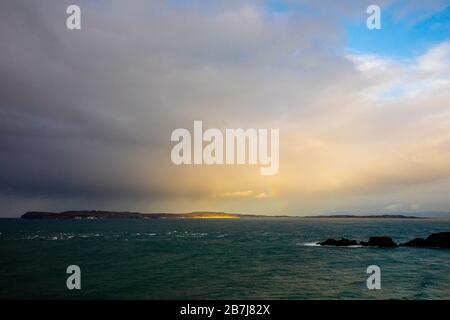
(77,107)
(63,108)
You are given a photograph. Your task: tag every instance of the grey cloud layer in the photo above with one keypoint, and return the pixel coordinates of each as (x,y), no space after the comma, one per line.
(86,116)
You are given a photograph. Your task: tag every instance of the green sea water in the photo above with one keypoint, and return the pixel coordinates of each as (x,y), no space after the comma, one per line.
(218,259)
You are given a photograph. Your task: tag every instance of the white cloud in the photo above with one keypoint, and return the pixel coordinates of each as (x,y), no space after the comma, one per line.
(437,59)
(404,79)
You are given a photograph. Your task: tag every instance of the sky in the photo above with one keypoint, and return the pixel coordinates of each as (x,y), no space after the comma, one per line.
(86,115)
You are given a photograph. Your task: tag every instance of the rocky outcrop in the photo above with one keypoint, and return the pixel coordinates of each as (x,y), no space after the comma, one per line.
(382,242)
(341,243)
(435,240)
(417,242)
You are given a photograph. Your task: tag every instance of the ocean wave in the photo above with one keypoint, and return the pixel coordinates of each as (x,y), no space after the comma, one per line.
(222,236)
(57,236)
(191,235)
(311,244)
(316,244)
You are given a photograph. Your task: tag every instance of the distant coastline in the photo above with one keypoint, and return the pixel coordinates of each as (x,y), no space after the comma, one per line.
(374,216)
(94,215)
(99,214)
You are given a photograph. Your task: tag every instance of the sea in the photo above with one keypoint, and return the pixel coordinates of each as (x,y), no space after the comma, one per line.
(264,258)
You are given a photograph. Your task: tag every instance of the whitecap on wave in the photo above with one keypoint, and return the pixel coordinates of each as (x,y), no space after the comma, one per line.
(316,244)
(311,244)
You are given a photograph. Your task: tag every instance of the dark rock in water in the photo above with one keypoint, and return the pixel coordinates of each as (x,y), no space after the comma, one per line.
(382,242)
(417,242)
(441,239)
(342,243)
(437,240)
